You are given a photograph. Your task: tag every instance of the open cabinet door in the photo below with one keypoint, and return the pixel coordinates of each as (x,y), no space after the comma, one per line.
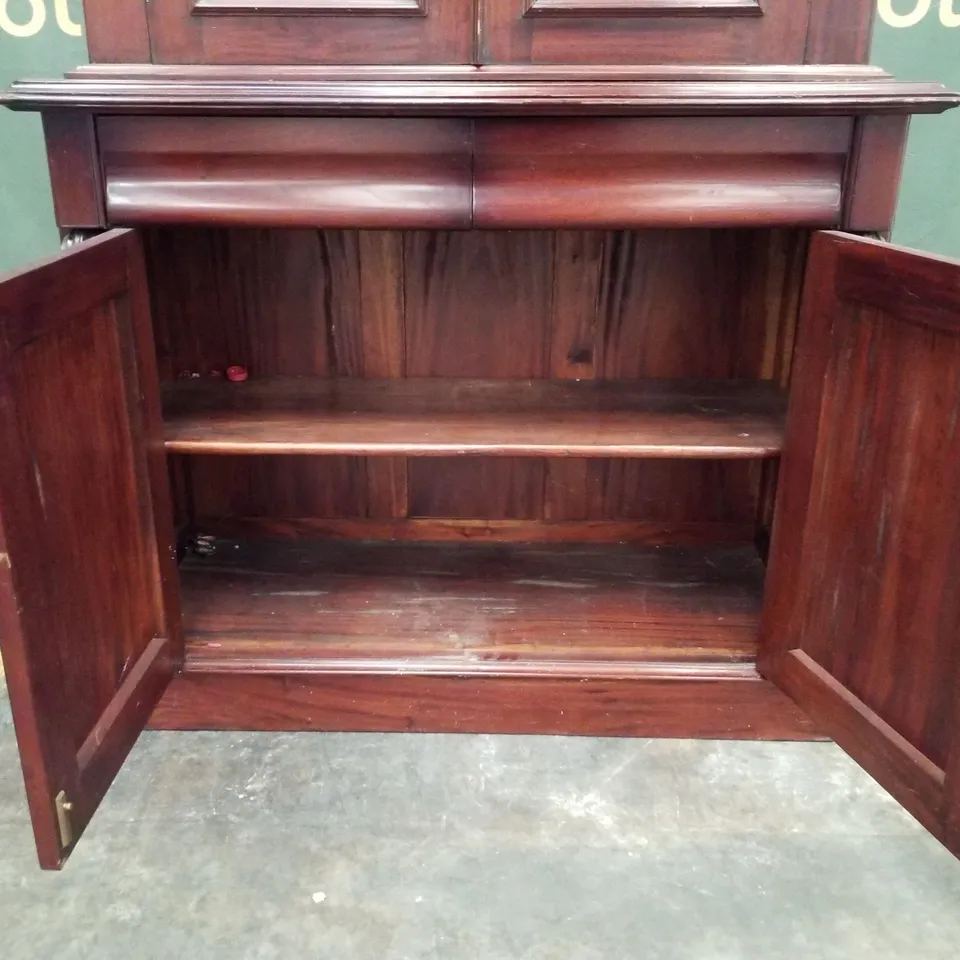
(862,625)
(89,615)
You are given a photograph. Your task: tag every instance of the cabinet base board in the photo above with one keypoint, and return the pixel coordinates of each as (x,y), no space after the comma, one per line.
(734,709)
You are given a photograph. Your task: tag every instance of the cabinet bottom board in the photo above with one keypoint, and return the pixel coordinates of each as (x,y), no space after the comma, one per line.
(292,605)
(557,638)
(730,709)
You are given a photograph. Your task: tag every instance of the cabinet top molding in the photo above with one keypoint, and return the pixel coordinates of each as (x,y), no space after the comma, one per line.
(437,91)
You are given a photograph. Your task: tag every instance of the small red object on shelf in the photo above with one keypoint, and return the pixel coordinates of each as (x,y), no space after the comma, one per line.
(237,374)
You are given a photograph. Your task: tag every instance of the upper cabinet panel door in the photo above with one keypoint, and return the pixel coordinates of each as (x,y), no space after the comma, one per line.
(862,626)
(311,31)
(644,31)
(89,612)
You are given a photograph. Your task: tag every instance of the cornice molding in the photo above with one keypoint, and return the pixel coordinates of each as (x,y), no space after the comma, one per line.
(471,91)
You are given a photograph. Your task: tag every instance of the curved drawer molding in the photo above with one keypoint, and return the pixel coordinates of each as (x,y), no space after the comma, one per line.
(403,173)
(660,172)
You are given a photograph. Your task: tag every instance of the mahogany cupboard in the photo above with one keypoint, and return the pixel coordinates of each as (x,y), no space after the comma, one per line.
(577,400)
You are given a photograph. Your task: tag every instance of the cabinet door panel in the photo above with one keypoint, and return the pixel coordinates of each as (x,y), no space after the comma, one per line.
(643,31)
(312,31)
(862,625)
(89,613)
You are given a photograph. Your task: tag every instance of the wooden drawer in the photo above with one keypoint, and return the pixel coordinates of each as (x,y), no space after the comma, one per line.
(311,31)
(658,172)
(673,31)
(279,171)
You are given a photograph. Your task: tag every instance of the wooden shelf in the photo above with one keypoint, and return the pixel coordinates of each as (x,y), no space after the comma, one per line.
(348,607)
(432,417)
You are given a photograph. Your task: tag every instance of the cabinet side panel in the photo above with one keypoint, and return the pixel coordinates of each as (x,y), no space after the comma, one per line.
(873,174)
(117,31)
(840,31)
(74,163)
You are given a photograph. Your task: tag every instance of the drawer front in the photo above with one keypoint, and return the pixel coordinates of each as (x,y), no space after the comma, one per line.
(754,171)
(644,31)
(361,173)
(311,31)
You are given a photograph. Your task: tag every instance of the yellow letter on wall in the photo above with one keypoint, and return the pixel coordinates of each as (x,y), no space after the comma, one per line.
(894,19)
(64,22)
(947,17)
(38,17)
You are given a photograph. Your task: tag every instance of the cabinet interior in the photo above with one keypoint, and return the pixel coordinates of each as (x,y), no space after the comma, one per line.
(509,450)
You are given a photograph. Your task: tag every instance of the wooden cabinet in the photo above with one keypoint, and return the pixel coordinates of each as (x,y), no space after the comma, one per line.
(310,31)
(350,32)
(553,408)
(671,31)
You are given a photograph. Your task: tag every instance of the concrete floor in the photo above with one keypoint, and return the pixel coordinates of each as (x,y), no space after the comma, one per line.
(354,846)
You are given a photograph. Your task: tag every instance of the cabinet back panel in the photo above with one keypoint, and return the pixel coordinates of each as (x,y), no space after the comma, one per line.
(512,304)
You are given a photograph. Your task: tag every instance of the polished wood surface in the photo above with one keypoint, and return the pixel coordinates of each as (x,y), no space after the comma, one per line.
(89,610)
(873,174)
(862,623)
(75,176)
(821,31)
(309,8)
(610,352)
(643,8)
(592,31)
(117,31)
(424,417)
(456,608)
(676,534)
(287,172)
(659,172)
(713,91)
(842,72)
(840,31)
(181,31)
(528,304)
(735,709)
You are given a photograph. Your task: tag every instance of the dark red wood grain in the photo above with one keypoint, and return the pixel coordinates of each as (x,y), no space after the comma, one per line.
(117,31)
(75,176)
(711,420)
(840,31)
(863,617)
(88,593)
(677,534)
(443,35)
(659,172)
(287,172)
(652,304)
(379,31)
(289,605)
(737,709)
(491,91)
(591,31)
(873,174)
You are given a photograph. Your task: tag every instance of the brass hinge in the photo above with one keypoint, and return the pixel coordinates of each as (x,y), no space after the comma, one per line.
(64,808)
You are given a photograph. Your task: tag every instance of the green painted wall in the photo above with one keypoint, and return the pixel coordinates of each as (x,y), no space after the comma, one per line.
(914,39)
(35,41)
(928,216)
